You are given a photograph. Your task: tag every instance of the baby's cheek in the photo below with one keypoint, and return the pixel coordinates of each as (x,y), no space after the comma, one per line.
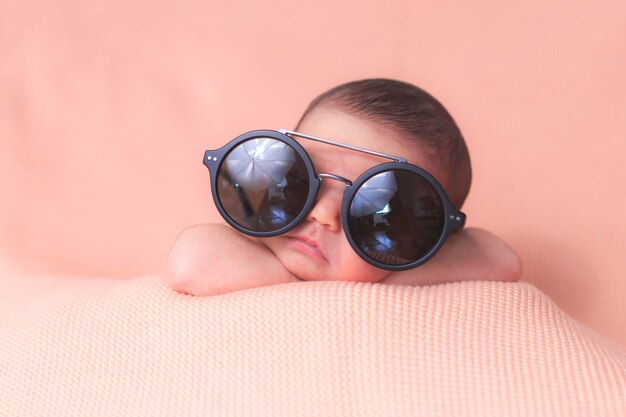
(354,268)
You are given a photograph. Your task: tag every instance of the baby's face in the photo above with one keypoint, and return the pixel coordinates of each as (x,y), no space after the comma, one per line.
(317,249)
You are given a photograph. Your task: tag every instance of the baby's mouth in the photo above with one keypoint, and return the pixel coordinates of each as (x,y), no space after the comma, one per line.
(306,245)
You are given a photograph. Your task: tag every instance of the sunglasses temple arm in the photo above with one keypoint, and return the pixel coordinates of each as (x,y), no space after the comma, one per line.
(461,222)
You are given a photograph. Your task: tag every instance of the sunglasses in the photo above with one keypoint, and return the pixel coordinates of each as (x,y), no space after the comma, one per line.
(395,215)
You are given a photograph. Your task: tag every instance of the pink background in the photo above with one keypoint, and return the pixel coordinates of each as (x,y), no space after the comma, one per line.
(106,108)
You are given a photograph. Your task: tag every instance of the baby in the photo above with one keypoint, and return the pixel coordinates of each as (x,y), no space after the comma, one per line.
(381,115)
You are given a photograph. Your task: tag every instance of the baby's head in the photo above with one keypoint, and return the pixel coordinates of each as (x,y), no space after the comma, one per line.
(407,116)
(383,115)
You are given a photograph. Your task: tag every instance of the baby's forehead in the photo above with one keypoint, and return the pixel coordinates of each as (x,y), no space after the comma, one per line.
(390,149)
(337,160)
(342,126)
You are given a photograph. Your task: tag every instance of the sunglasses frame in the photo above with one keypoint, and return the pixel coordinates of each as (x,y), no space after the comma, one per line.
(454,220)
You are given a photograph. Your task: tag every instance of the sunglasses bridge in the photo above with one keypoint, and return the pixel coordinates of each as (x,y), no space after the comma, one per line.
(322,175)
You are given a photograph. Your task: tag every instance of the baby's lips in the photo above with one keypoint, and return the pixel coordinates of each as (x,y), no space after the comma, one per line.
(311,242)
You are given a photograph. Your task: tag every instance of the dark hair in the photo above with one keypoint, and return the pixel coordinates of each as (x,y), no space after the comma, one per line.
(412,112)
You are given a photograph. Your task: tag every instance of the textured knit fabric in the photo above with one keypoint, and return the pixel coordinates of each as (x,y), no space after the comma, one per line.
(137,348)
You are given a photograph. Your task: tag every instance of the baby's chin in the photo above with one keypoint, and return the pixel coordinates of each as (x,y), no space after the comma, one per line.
(367,274)
(313,268)
(346,279)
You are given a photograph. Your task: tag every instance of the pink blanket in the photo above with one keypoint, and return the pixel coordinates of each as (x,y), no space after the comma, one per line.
(304,349)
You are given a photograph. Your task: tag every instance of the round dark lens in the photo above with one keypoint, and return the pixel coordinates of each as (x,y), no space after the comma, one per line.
(396,217)
(263,184)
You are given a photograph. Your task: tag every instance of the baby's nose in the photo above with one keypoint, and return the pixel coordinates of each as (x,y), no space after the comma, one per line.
(327,207)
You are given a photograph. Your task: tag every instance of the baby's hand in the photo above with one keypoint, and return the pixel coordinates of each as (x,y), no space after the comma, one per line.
(470,254)
(211,259)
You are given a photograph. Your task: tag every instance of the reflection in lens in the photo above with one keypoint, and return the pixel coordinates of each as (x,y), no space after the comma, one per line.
(263,184)
(396,217)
